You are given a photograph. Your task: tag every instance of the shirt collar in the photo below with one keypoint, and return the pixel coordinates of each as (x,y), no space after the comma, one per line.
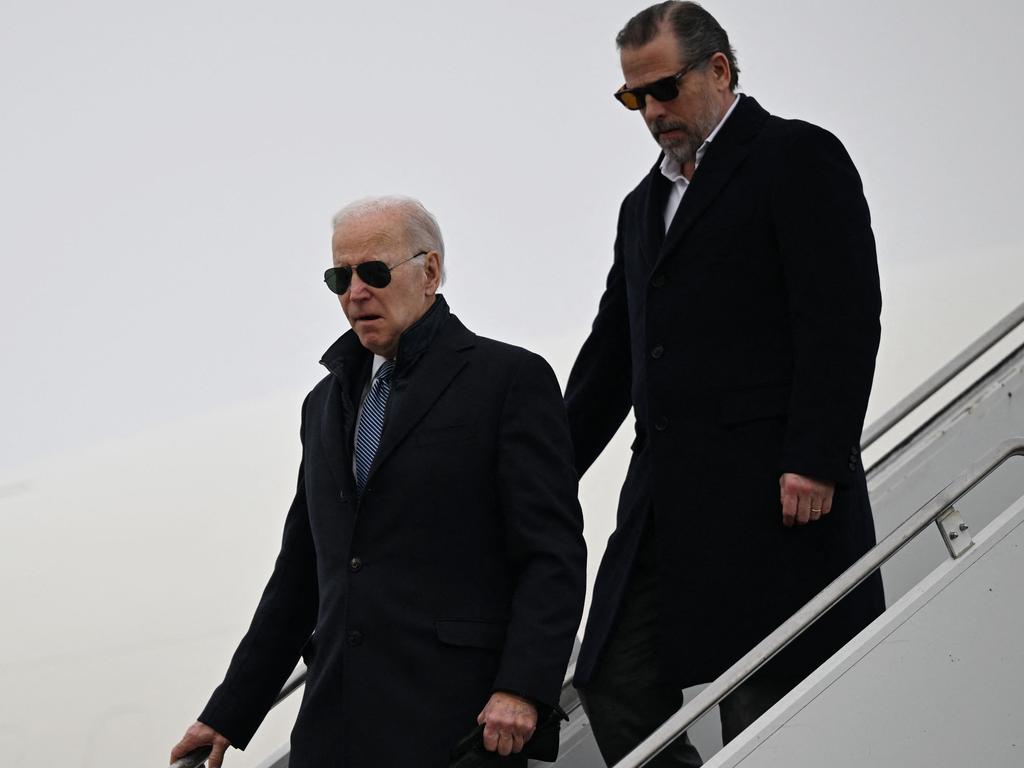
(670,167)
(378,361)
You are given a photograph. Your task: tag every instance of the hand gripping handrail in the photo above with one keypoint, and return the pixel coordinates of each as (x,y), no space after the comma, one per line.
(733,677)
(942,377)
(197,756)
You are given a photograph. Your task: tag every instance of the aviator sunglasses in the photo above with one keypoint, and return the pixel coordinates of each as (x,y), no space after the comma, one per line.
(665,89)
(375,274)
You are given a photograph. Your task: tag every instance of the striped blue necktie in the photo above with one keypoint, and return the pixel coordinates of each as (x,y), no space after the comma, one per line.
(371,422)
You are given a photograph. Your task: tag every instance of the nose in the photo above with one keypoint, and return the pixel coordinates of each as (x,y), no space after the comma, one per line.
(652,108)
(357,289)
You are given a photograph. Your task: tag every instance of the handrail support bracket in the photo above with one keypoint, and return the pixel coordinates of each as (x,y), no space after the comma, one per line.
(955,532)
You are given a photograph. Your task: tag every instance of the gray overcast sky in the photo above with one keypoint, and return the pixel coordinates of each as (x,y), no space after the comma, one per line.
(167,175)
(167,172)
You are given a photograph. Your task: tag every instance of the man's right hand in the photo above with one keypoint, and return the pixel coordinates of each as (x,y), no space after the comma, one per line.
(201,735)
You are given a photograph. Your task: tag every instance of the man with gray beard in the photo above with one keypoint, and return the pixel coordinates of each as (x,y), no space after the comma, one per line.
(740,322)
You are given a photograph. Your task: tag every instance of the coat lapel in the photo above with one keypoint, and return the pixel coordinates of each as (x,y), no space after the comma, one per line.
(350,364)
(433,372)
(724,156)
(654,213)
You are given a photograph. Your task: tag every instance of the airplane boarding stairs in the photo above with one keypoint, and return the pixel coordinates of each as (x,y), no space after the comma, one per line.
(938,679)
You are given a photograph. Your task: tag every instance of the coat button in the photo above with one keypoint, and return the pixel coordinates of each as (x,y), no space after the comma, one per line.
(658,351)
(354,637)
(355,565)
(852,465)
(661,424)
(658,281)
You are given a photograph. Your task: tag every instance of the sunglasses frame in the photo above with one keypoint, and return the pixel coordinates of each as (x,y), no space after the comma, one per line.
(668,86)
(384,279)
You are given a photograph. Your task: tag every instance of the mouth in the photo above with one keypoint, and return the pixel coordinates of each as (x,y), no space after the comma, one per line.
(670,137)
(367,318)
(667,130)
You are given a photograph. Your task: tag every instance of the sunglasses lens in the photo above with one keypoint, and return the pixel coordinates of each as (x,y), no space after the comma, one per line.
(338,279)
(629,99)
(374,273)
(664,89)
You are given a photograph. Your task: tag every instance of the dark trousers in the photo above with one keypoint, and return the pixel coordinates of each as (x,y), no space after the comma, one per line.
(628,697)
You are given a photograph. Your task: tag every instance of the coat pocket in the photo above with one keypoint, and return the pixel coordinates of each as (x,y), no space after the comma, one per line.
(472,633)
(753,404)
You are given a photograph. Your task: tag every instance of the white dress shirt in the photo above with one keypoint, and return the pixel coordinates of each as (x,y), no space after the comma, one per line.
(671,170)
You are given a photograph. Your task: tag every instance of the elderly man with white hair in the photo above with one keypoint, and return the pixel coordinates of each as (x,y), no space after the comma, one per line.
(432,567)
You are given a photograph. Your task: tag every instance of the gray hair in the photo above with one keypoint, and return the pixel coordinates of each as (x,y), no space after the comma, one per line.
(422,232)
(698,33)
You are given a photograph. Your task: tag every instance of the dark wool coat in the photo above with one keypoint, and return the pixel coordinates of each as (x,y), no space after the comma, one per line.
(459,572)
(744,339)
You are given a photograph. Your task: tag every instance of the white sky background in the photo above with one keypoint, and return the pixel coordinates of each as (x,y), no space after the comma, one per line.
(167,175)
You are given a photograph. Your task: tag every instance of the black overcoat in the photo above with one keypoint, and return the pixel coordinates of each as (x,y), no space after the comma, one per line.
(744,339)
(459,572)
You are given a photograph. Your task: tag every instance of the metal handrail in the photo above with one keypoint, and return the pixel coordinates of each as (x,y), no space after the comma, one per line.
(296,681)
(943,376)
(193,759)
(733,677)
(197,756)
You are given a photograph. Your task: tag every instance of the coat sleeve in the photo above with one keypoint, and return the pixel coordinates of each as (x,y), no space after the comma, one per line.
(831,275)
(597,397)
(537,487)
(282,625)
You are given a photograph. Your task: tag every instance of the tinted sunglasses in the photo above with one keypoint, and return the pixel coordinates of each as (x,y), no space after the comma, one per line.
(375,274)
(665,89)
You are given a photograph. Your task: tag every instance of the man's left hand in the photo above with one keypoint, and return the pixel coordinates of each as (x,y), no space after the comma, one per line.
(804,499)
(509,721)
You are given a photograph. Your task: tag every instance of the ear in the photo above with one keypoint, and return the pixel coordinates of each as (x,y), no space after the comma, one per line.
(431,272)
(721,72)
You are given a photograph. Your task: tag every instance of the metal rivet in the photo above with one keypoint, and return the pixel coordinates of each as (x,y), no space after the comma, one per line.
(954,535)
(963,526)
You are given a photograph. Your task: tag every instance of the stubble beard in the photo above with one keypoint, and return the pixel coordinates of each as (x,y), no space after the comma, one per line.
(683,149)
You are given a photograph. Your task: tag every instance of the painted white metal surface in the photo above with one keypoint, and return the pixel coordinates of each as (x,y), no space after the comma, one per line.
(990,411)
(938,680)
